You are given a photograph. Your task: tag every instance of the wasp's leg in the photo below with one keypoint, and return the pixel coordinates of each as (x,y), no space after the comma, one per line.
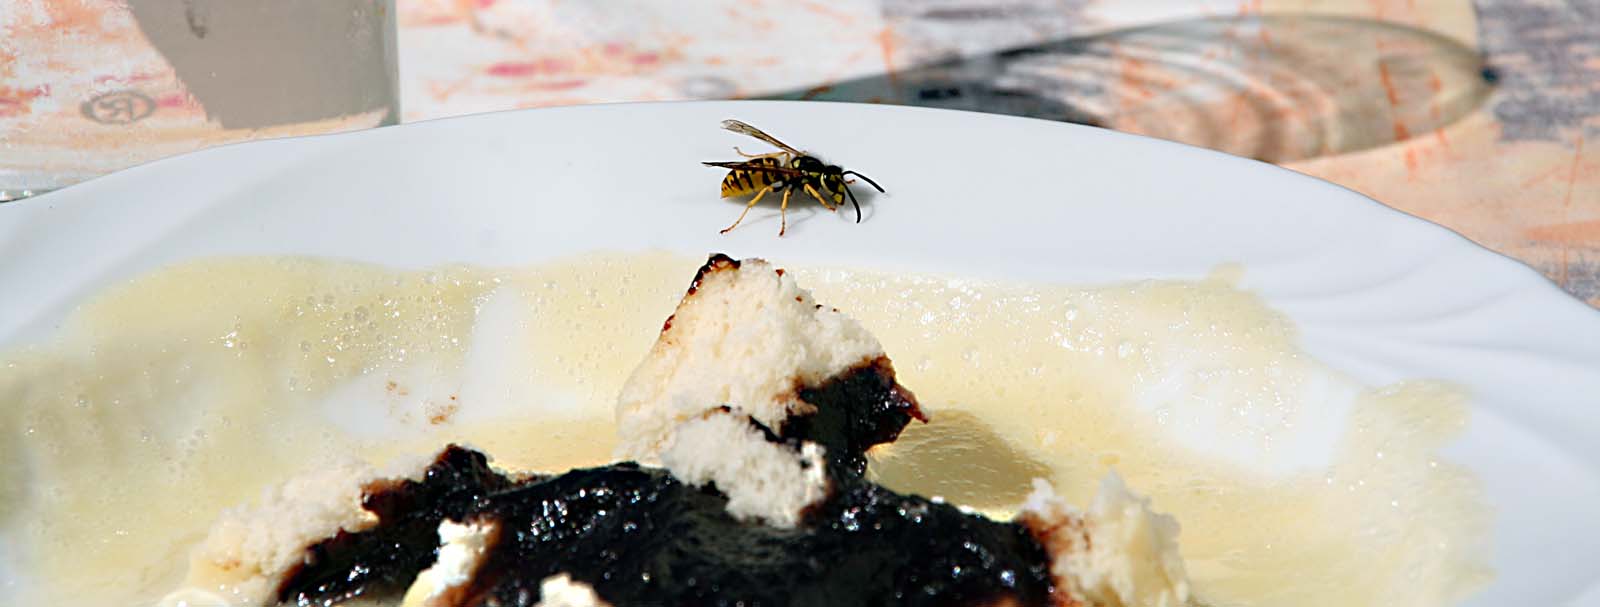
(818,195)
(783,212)
(769,155)
(753,200)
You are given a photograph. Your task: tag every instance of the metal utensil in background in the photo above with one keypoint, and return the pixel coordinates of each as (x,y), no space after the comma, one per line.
(1277,88)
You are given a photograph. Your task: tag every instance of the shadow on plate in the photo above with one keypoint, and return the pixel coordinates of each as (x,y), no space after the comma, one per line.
(960,458)
(1274,88)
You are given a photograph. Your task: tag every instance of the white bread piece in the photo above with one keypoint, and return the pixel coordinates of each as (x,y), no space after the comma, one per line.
(250,549)
(1119,553)
(563,591)
(766,481)
(745,336)
(462,548)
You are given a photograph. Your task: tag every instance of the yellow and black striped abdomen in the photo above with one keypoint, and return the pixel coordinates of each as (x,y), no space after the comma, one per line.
(740,182)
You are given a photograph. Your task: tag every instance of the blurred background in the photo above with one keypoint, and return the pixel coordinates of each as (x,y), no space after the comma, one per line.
(1473,114)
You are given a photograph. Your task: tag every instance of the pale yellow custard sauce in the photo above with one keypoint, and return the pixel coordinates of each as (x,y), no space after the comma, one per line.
(191,389)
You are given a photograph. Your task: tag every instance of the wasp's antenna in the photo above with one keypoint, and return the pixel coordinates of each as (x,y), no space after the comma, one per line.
(866,178)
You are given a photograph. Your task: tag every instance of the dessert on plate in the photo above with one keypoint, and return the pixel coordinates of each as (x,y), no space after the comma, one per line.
(743,435)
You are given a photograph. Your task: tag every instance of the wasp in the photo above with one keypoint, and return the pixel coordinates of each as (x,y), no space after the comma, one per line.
(785,171)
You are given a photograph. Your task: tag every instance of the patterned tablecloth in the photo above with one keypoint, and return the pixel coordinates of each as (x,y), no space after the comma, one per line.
(1482,116)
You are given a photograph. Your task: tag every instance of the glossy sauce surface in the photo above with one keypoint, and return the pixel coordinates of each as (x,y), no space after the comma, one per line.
(196,386)
(639,537)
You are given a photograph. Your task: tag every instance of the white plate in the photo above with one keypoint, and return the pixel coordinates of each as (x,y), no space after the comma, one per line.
(1378,294)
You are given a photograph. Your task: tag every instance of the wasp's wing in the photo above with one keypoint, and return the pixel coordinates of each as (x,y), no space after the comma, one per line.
(745,129)
(758,168)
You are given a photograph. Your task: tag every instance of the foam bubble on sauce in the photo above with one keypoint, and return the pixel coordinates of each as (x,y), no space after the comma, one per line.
(188,390)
